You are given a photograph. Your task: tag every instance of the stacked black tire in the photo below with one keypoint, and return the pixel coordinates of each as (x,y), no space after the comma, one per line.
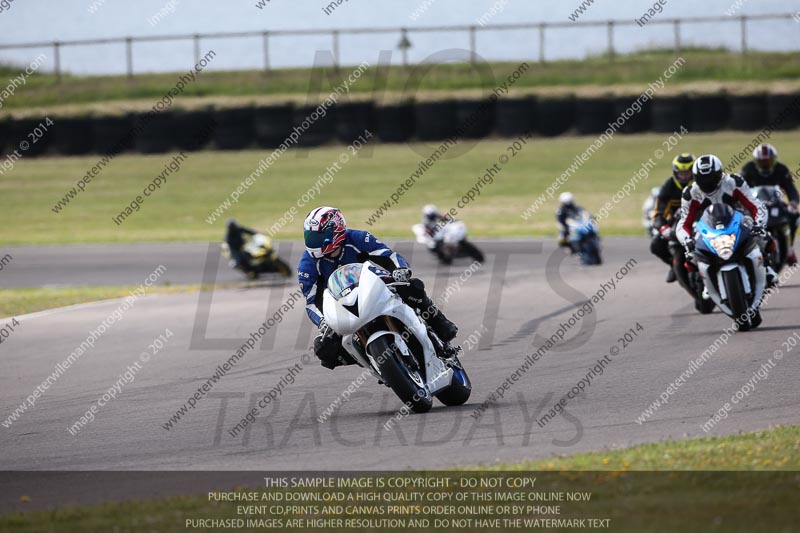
(269,126)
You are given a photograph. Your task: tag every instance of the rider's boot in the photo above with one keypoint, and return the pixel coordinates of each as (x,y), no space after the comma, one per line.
(671,277)
(443,327)
(791,259)
(772,277)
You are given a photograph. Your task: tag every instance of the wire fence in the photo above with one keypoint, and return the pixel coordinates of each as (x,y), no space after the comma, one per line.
(539,33)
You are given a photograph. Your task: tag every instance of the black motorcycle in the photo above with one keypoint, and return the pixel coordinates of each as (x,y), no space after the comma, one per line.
(688,278)
(779,223)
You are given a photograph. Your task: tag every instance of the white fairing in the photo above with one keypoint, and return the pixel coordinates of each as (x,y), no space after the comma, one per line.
(422,235)
(373,299)
(453,232)
(760,282)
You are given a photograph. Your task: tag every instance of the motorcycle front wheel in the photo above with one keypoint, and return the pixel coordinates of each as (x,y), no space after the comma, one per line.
(736,297)
(405,381)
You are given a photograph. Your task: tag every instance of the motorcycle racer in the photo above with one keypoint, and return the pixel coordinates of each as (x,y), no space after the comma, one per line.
(329,245)
(765,169)
(234,237)
(714,186)
(566,209)
(667,205)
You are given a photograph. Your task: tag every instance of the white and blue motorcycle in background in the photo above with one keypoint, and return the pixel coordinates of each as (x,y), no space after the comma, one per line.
(731,264)
(584,237)
(386,336)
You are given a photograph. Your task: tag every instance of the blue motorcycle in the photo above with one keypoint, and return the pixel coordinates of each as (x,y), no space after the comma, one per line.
(730,262)
(584,238)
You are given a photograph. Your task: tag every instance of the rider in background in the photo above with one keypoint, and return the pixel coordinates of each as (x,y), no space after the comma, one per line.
(432,220)
(765,169)
(714,186)
(329,245)
(566,209)
(234,236)
(667,205)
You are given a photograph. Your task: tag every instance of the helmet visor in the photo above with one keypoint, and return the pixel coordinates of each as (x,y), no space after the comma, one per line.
(683,176)
(765,164)
(318,239)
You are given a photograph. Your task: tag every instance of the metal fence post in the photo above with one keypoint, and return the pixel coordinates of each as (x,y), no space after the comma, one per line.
(541,42)
(196,48)
(743,19)
(472,50)
(677,29)
(335,36)
(57,60)
(129,55)
(265,38)
(611,40)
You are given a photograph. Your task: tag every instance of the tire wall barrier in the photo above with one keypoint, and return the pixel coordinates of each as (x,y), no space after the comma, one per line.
(395,123)
(113,134)
(194,129)
(592,115)
(748,112)
(234,128)
(475,118)
(73,136)
(783,110)
(314,129)
(435,120)
(708,113)
(555,116)
(515,116)
(155,133)
(272,124)
(269,126)
(669,114)
(352,119)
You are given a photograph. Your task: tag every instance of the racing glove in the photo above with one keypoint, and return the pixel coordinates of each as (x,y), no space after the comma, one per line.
(688,247)
(402,274)
(665,231)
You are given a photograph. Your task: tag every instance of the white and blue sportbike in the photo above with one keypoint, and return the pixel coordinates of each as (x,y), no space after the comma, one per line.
(730,261)
(584,237)
(388,337)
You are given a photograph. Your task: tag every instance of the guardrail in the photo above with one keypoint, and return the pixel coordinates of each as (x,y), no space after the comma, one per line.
(540,28)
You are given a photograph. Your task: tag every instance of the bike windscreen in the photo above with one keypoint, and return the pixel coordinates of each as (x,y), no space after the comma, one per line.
(344,279)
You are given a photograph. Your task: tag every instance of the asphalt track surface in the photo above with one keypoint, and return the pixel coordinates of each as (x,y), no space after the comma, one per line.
(521,294)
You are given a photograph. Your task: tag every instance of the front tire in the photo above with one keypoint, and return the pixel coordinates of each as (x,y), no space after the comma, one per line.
(397,374)
(472,251)
(284,269)
(736,297)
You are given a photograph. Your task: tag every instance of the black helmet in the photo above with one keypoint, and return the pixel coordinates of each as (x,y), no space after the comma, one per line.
(707,172)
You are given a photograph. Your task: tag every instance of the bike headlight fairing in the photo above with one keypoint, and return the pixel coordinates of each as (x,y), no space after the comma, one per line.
(723,245)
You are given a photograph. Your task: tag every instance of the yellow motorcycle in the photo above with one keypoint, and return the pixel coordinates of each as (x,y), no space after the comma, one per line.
(258,257)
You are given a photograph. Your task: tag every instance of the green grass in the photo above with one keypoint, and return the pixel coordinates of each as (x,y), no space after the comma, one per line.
(627,73)
(672,501)
(775,449)
(177,212)
(21,300)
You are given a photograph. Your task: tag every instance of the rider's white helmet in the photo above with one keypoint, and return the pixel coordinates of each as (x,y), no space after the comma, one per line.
(566,198)
(429,210)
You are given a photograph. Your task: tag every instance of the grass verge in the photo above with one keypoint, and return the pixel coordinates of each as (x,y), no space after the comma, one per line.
(643,501)
(179,210)
(23,300)
(627,73)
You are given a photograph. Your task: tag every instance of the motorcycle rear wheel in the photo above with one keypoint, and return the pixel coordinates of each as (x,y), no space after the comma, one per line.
(397,375)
